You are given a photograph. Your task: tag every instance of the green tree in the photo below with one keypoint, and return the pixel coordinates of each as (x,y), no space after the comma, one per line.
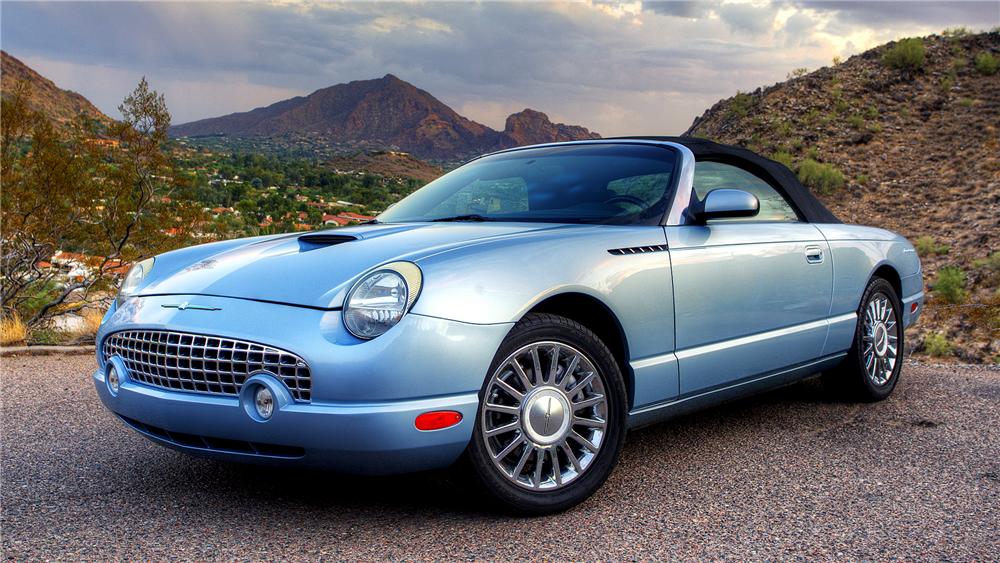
(64,191)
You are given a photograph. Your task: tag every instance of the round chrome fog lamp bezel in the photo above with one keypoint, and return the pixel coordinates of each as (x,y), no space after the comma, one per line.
(115,366)
(280,396)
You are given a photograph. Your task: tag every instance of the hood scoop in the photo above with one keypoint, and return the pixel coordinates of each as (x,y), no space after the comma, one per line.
(320,240)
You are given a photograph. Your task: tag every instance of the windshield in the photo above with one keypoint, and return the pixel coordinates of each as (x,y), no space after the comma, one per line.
(586,183)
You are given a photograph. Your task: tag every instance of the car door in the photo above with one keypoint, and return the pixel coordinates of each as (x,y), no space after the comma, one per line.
(752,294)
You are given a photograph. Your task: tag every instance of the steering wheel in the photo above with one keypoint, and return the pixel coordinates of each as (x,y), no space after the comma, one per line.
(625,198)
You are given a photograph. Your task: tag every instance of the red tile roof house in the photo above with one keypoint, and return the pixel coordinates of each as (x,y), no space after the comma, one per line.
(335,220)
(356,216)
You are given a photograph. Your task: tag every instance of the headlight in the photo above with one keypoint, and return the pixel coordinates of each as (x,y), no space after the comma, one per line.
(380,299)
(132,280)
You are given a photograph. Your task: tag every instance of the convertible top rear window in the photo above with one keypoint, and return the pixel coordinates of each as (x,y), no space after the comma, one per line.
(586,183)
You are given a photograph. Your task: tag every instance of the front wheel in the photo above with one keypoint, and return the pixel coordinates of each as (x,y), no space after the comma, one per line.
(551,419)
(872,367)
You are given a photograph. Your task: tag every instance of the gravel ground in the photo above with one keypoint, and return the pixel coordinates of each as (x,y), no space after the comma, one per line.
(787,474)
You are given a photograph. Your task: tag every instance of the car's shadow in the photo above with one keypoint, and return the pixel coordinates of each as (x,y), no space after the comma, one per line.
(444,491)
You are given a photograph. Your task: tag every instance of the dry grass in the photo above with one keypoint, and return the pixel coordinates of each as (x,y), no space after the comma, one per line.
(12,330)
(91,323)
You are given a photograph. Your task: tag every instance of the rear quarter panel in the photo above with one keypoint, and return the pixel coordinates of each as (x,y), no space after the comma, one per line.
(857,252)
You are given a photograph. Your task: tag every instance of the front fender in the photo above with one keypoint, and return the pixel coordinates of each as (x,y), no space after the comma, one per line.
(500,282)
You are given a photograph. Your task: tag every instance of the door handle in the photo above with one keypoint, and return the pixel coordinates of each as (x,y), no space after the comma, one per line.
(814,255)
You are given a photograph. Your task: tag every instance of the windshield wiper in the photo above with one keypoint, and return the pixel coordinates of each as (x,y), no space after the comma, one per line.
(469,217)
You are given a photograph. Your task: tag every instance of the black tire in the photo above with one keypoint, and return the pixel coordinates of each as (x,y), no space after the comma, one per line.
(851,379)
(538,328)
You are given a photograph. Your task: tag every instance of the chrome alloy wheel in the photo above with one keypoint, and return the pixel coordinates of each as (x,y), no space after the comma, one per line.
(544,415)
(881,340)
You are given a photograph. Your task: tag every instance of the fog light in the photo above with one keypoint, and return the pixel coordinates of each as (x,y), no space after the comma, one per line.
(113,381)
(263,400)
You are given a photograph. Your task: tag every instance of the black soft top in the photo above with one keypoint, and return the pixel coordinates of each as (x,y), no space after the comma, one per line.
(774,173)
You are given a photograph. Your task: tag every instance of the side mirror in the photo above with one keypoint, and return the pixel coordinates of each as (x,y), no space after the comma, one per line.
(727,203)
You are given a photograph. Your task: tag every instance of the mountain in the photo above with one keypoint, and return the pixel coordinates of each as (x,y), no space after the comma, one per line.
(385,111)
(530,127)
(919,150)
(61,106)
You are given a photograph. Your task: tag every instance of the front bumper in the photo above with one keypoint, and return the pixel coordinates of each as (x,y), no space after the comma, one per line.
(365,396)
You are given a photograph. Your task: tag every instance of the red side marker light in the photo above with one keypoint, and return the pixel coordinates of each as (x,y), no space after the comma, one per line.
(436,420)
(913,307)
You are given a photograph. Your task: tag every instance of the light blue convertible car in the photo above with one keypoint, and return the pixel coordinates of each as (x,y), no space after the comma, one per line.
(524,310)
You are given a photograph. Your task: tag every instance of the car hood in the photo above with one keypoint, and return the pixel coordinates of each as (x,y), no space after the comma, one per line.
(299,270)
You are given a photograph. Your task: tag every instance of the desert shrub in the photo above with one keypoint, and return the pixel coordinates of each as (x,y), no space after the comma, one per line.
(955,32)
(966,102)
(783,157)
(907,54)
(937,345)
(947,82)
(801,71)
(740,106)
(12,330)
(991,266)
(862,179)
(47,336)
(855,121)
(986,64)
(926,246)
(949,284)
(819,176)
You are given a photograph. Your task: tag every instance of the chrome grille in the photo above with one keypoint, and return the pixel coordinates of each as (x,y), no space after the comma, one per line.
(204,364)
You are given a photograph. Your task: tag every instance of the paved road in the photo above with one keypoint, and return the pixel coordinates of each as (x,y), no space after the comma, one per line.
(787,474)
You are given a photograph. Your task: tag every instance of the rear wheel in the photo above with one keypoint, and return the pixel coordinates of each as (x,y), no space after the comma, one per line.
(551,419)
(872,367)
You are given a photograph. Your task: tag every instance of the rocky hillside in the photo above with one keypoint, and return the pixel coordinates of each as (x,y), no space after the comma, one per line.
(385,111)
(390,164)
(905,141)
(62,106)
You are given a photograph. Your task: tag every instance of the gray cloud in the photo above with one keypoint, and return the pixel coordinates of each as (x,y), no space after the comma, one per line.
(939,15)
(612,70)
(748,18)
(681,8)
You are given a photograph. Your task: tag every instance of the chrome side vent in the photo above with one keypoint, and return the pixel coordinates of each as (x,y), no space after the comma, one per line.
(638,249)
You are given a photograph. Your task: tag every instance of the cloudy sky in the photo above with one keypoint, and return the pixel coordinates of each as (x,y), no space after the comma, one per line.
(617,68)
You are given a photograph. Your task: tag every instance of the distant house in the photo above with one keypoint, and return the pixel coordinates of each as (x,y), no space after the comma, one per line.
(355,216)
(335,220)
(303,227)
(112,143)
(79,266)
(267,222)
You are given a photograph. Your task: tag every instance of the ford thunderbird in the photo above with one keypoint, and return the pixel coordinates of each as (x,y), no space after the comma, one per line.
(523,311)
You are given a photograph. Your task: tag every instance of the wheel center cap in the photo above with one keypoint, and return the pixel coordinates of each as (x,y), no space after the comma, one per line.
(545,415)
(881,338)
